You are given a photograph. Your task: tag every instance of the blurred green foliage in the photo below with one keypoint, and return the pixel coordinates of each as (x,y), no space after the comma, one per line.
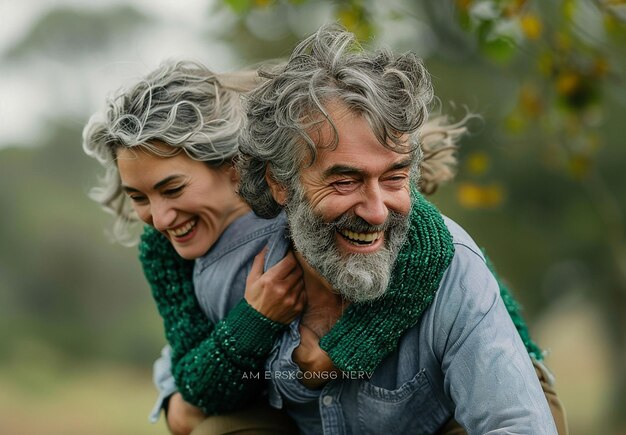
(547,78)
(540,179)
(62,281)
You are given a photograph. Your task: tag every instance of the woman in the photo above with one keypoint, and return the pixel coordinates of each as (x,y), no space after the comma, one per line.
(167,143)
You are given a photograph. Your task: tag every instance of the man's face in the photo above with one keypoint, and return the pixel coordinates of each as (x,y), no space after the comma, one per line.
(349,213)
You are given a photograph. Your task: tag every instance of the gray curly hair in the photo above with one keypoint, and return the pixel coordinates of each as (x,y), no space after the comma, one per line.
(182,104)
(391,92)
(438,139)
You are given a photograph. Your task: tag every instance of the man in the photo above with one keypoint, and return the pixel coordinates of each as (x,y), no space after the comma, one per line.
(331,140)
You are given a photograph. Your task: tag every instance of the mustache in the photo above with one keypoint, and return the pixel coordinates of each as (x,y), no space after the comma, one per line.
(357,224)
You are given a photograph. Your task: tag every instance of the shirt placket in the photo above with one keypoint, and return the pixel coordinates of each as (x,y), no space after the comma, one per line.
(331,413)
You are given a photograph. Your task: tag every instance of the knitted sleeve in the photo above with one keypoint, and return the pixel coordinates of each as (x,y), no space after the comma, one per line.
(515,311)
(216,367)
(368,332)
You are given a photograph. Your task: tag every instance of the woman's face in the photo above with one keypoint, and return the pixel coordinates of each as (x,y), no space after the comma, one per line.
(186,200)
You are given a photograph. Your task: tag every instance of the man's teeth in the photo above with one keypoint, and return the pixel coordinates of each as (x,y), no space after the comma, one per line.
(178,232)
(362,238)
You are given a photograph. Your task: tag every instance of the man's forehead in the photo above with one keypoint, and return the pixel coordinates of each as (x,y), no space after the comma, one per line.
(358,142)
(347,134)
(344,117)
(349,156)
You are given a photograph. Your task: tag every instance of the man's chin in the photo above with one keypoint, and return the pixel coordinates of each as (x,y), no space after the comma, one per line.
(361,295)
(359,278)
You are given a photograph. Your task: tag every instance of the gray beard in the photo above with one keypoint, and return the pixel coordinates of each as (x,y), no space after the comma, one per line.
(357,277)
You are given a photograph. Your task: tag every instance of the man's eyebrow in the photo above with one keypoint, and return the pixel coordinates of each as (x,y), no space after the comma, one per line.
(402,164)
(351,170)
(342,170)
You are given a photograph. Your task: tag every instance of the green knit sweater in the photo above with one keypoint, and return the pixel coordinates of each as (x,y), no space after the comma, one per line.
(211,363)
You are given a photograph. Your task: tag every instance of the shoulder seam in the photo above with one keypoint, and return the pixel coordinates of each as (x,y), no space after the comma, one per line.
(206,262)
(471,249)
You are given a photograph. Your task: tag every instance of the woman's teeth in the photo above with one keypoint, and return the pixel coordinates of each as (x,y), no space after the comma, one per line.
(184,230)
(361,238)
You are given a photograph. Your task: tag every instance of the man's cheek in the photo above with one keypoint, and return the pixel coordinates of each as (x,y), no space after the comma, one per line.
(402,203)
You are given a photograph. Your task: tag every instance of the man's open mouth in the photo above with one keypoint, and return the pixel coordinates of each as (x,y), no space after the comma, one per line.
(361,239)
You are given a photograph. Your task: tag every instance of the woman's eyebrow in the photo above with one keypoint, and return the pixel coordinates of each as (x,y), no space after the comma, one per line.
(129,189)
(159,184)
(166,180)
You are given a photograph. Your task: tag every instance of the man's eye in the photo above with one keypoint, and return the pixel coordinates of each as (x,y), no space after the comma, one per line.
(345,185)
(397,179)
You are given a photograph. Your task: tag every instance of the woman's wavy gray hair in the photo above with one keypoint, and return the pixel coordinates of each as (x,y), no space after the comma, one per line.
(181,104)
(391,92)
(438,140)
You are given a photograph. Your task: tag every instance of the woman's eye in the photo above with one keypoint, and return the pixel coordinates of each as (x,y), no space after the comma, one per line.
(137,198)
(174,191)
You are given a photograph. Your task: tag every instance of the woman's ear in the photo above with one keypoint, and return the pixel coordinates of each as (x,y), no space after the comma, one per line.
(279,192)
(233,173)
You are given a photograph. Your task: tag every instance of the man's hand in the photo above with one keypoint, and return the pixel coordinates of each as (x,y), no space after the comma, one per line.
(312,359)
(182,417)
(278,293)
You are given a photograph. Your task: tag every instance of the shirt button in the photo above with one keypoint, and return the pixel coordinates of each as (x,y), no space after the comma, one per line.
(327,400)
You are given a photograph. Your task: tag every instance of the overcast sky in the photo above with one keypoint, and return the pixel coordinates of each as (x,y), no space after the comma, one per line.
(57,84)
(35,88)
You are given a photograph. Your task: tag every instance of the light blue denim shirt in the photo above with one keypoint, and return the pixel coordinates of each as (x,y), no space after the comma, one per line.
(463,359)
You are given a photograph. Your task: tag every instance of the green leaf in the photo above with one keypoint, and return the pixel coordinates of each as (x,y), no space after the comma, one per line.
(500,50)
(239,6)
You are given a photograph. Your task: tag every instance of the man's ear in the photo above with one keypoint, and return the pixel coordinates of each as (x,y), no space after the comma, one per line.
(279,192)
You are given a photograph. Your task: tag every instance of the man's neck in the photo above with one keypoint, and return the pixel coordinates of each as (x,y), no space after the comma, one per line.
(324,305)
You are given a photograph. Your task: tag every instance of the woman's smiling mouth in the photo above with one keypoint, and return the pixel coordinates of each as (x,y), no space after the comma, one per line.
(183,230)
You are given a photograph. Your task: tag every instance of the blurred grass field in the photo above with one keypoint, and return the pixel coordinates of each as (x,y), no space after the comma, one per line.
(47,397)
(42,393)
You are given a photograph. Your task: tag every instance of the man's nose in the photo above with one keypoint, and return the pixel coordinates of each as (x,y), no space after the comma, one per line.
(163,215)
(372,207)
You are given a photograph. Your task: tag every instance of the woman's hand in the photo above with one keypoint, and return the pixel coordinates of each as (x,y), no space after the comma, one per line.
(312,359)
(278,293)
(182,417)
